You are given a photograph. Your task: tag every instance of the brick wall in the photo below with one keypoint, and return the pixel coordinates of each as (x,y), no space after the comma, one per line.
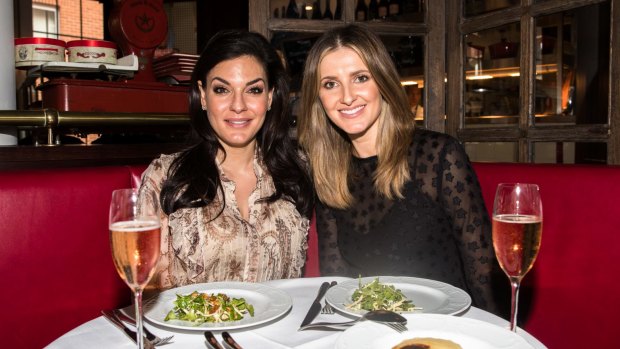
(70,28)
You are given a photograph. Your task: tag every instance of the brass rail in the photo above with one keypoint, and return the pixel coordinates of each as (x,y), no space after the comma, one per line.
(52,120)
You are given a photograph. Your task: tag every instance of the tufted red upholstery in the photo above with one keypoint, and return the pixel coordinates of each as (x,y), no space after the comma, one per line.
(56,268)
(570,297)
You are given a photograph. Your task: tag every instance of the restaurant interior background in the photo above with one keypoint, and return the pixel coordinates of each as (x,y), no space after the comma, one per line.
(515,81)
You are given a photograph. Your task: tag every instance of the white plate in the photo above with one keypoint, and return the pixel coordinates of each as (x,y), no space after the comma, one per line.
(468,333)
(269,304)
(434,297)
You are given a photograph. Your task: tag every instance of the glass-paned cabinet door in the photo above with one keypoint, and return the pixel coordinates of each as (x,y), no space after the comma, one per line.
(407,52)
(302,9)
(478,7)
(572,66)
(492,77)
(294,47)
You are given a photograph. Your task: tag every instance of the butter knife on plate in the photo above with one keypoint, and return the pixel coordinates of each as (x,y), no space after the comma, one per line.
(315,308)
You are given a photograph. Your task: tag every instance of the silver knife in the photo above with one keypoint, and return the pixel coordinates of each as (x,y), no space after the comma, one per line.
(315,308)
(230,341)
(212,340)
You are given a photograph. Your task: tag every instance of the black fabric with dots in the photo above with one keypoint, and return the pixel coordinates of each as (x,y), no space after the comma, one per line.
(440,230)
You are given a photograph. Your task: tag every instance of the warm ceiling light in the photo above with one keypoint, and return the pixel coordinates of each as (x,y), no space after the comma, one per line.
(479,77)
(408,83)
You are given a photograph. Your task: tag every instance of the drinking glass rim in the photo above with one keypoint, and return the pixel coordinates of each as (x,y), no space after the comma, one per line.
(514,184)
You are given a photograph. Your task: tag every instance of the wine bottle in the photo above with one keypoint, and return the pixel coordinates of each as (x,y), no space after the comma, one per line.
(328,11)
(394,8)
(373,10)
(383,9)
(316,10)
(338,12)
(291,10)
(409,6)
(361,11)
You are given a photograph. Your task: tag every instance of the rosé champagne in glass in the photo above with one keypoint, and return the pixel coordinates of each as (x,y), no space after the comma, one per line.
(135,245)
(517,231)
(135,250)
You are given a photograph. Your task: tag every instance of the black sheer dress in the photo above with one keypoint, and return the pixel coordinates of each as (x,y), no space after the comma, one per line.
(440,230)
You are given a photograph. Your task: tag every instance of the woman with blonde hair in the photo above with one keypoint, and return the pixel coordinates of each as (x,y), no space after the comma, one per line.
(393,199)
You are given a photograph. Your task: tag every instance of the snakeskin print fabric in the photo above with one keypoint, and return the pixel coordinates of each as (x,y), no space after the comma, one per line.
(196,247)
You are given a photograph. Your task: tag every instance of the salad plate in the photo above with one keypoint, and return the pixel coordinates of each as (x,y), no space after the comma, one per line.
(433,297)
(269,304)
(466,332)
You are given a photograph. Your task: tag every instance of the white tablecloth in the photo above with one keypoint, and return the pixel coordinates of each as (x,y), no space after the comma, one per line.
(279,334)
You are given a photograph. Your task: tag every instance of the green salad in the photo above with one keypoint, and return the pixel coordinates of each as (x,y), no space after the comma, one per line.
(200,308)
(375,296)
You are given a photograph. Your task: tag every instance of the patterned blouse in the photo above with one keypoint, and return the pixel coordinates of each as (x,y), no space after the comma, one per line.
(196,248)
(440,230)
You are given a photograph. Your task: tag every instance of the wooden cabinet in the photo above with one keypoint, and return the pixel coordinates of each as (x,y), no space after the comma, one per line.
(564,85)
(526,118)
(410,37)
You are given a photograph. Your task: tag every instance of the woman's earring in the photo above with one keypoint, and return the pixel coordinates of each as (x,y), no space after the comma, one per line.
(204,108)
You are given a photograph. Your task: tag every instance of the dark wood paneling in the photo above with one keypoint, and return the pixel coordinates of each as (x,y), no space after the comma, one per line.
(454,66)
(38,157)
(435,72)
(613,146)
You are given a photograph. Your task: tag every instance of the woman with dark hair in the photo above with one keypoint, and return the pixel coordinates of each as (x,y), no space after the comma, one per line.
(393,200)
(234,205)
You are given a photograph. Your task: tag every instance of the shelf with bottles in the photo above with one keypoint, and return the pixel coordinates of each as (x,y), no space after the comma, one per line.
(390,10)
(504,72)
(312,10)
(364,10)
(492,96)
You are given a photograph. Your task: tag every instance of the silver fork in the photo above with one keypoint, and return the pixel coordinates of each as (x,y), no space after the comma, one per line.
(129,332)
(396,326)
(156,340)
(327,309)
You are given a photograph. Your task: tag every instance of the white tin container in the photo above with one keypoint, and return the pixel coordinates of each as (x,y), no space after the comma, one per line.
(91,51)
(30,52)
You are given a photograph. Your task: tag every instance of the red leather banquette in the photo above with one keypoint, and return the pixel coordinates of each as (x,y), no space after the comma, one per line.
(569,299)
(56,269)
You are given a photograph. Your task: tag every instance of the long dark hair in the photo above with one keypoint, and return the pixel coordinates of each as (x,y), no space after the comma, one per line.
(193,178)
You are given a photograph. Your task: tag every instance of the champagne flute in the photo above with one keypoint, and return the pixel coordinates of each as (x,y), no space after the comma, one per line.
(517,230)
(135,242)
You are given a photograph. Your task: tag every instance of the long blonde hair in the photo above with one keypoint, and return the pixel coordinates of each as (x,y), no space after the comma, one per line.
(328,147)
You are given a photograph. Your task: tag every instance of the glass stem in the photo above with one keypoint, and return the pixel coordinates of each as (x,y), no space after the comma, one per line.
(514,304)
(139,328)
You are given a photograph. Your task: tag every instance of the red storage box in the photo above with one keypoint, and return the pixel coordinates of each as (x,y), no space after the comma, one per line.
(114,96)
